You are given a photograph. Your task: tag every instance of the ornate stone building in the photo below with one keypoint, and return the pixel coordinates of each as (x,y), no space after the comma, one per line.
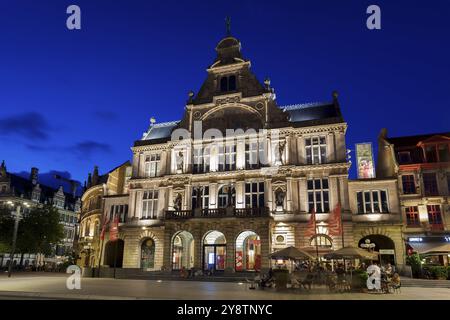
(14,188)
(96,203)
(239,177)
(421,166)
(202,197)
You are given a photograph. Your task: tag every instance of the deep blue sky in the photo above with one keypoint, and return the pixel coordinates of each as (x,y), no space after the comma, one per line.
(73,99)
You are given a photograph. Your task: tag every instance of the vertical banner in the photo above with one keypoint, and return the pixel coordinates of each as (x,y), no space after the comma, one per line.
(364,161)
(114,230)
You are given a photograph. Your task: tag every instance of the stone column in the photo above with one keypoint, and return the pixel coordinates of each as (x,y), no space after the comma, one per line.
(240,154)
(135,170)
(240,194)
(268,194)
(344,193)
(289,186)
(331,156)
(300,150)
(303,194)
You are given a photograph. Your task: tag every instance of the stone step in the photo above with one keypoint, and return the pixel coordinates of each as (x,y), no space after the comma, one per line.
(424,283)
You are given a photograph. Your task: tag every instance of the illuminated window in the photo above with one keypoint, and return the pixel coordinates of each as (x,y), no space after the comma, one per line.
(200,197)
(318,195)
(374,201)
(412,216)
(315,150)
(409,186)
(150,204)
(227,158)
(227,196)
(201,163)
(321,241)
(434,215)
(253,152)
(152,165)
(254,195)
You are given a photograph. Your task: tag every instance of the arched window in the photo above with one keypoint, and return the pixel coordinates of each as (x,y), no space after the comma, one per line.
(148,254)
(227,196)
(321,240)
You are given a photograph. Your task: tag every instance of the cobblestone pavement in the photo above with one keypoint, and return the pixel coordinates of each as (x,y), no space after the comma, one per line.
(53,286)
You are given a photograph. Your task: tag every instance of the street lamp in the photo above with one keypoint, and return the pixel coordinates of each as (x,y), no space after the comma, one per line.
(17,217)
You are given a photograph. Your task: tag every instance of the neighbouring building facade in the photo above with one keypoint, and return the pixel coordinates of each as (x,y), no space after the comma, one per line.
(102,193)
(421,166)
(199,196)
(14,188)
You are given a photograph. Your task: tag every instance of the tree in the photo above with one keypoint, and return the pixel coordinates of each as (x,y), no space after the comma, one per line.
(38,230)
(6,229)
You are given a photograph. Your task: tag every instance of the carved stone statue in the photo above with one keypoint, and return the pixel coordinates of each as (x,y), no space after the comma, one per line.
(180,162)
(279,152)
(177,202)
(279,198)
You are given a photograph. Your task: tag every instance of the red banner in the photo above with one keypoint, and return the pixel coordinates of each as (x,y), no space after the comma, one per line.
(311,228)
(104,224)
(114,230)
(335,222)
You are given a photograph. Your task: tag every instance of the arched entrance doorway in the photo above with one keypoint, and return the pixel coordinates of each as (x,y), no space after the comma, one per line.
(114,253)
(148,254)
(382,244)
(248,252)
(214,251)
(182,251)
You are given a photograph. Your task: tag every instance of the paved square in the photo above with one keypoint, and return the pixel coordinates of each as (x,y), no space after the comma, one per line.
(53,286)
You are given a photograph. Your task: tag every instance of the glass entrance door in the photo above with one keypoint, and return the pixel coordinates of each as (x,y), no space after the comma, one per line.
(214,256)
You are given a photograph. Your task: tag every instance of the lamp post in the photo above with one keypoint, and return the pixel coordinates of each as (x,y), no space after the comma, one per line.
(17,216)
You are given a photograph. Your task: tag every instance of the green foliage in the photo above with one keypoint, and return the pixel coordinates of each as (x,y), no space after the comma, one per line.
(37,231)
(415,263)
(448,273)
(360,279)
(6,229)
(439,272)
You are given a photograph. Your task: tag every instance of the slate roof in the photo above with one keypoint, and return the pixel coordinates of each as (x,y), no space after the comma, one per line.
(412,141)
(22,186)
(300,115)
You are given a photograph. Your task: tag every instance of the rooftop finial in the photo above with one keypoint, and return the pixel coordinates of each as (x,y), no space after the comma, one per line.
(228,25)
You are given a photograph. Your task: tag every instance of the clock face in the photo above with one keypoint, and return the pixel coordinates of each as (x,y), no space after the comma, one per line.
(280,239)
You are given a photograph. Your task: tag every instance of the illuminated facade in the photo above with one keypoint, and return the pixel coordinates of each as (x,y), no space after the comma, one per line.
(421,166)
(15,188)
(202,197)
(98,195)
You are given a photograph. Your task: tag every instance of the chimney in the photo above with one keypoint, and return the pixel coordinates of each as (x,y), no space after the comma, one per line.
(34,175)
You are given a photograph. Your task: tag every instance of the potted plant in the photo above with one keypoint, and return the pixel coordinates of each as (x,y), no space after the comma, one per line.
(439,272)
(359,280)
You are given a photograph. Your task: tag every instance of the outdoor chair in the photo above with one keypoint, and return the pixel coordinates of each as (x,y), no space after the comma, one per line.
(251,285)
(396,287)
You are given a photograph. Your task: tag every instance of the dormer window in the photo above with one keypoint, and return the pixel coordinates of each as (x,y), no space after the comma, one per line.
(437,152)
(404,157)
(228,83)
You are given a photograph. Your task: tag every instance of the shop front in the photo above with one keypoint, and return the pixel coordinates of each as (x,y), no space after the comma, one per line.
(434,250)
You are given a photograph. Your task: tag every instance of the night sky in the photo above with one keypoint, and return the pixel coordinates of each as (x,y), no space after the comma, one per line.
(70,100)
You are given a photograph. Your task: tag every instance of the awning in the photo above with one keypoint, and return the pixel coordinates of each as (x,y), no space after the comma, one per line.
(431,248)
